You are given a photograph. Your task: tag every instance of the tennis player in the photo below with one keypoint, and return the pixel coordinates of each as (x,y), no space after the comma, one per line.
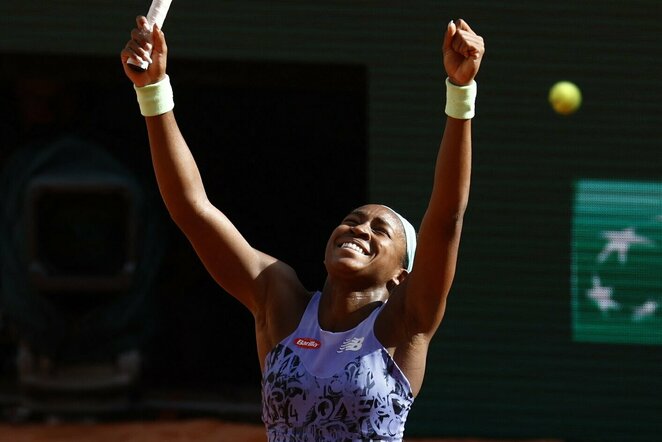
(345,362)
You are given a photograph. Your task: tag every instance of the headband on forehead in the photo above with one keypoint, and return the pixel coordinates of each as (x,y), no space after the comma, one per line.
(410,238)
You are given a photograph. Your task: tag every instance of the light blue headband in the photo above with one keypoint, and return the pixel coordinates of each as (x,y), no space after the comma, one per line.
(410,238)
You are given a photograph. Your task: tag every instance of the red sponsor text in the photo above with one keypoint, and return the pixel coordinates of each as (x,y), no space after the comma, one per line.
(308,343)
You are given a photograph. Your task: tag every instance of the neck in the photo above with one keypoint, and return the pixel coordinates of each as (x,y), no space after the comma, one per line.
(343,308)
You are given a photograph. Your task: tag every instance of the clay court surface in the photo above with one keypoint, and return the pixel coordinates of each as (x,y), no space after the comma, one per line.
(194,430)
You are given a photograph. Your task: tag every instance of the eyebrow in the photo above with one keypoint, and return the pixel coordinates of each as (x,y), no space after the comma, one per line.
(361,214)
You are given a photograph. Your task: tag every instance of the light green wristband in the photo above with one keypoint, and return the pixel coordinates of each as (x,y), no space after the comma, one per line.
(461,100)
(155,99)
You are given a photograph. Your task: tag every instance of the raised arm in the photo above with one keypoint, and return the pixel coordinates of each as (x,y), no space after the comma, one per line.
(228,257)
(439,234)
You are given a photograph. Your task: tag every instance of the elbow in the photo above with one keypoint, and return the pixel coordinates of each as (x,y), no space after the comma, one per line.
(454,212)
(452,218)
(449,209)
(184,212)
(448,224)
(453,223)
(457,216)
(443,227)
(178,217)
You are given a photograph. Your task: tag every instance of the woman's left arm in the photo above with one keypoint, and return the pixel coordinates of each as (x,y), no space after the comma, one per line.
(439,234)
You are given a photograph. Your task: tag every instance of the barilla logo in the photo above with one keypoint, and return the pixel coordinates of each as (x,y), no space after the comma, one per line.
(308,343)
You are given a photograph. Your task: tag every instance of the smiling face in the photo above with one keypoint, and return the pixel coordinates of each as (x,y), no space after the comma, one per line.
(369,244)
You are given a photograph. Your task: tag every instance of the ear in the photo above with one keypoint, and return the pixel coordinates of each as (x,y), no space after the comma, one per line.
(397,279)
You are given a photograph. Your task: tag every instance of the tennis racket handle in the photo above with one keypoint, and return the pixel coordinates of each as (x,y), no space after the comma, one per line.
(155,16)
(138,67)
(142,65)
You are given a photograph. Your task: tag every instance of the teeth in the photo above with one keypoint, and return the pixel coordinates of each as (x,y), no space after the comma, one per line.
(349,245)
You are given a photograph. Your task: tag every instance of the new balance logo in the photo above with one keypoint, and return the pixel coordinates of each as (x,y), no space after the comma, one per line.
(351,344)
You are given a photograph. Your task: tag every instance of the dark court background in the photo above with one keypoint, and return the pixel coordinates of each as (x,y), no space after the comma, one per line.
(297,112)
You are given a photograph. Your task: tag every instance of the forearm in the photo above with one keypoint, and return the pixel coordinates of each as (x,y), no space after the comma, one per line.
(176,172)
(452,177)
(440,230)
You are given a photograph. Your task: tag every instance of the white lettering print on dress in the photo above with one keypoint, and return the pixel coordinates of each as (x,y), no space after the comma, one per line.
(351,344)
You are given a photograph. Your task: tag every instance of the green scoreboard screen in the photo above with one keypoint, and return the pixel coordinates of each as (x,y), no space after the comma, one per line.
(617,262)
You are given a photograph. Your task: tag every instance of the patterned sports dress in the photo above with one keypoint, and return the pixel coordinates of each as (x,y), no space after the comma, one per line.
(324,386)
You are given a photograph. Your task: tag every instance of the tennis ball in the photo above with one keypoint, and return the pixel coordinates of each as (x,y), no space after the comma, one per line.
(565,97)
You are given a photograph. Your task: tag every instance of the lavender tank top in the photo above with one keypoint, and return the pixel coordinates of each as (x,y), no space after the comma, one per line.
(324,386)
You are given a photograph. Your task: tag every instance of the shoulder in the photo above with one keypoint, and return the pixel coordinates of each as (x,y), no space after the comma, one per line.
(397,325)
(285,300)
(397,332)
(281,283)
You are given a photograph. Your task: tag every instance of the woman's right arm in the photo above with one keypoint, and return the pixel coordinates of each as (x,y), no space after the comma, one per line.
(227,256)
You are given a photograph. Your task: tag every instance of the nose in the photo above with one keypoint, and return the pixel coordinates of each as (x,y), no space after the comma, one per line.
(361,230)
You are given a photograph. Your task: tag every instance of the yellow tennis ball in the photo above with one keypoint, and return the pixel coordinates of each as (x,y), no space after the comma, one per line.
(565,97)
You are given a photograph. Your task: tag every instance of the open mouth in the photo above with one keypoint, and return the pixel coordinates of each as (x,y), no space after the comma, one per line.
(353,246)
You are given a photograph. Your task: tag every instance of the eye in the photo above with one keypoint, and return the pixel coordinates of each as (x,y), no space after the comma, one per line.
(382,231)
(350,221)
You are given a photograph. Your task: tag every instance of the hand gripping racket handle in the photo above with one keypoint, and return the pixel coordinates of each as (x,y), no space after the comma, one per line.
(155,16)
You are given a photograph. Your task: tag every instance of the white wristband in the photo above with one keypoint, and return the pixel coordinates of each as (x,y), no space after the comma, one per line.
(461,100)
(155,99)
